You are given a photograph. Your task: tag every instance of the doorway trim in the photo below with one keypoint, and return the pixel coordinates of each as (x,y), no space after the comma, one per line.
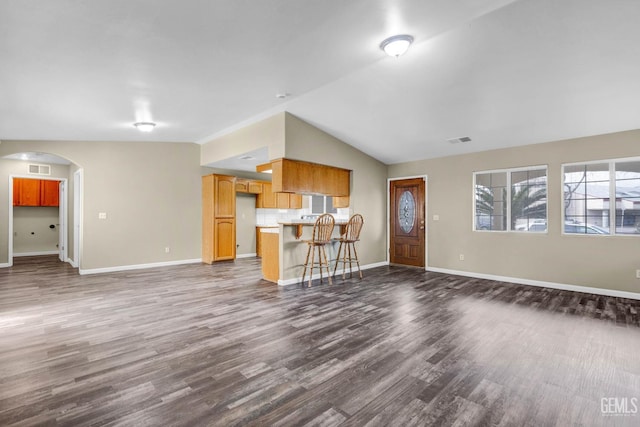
(62,233)
(426,214)
(78,176)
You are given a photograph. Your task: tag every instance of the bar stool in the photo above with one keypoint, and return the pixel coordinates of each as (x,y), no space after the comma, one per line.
(347,242)
(321,237)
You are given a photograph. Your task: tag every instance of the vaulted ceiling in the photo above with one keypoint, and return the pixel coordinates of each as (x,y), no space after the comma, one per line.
(502,72)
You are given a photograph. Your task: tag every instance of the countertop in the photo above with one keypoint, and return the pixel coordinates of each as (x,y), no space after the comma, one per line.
(272,230)
(309,222)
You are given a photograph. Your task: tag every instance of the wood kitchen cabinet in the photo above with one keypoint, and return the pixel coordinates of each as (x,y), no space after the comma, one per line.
(271,258)
(224,239)
(288,201)
(294,176)
(341,202)
(218,218)
(295,201)
(49,193)
(270,200)
(35,192)
(248,186)
(267,199)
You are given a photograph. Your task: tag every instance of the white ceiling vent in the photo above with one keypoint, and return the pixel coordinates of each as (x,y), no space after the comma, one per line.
(39,169)
(458,140)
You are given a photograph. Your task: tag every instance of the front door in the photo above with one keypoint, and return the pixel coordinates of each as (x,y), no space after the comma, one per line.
(407,222)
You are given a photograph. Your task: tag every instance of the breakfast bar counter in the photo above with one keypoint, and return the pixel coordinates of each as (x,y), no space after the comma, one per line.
(292,250)
(299,224)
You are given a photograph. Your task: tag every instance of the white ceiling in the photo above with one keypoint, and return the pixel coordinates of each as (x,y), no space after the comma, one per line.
(502,72)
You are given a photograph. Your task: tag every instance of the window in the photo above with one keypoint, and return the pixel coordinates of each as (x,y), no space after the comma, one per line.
(511,200)
(322,204)
(596,192)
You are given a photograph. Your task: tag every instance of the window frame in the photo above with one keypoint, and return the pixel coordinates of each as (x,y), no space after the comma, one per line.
(611,163)
(324,204)
(508,172)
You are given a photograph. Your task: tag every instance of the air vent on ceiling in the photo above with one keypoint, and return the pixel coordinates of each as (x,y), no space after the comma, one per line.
(39,169)
(246,158)
(459,140)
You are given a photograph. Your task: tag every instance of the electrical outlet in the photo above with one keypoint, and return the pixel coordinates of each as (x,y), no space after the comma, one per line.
(102,215)
(461,257)
(637,274)
(167,250)
(436,217)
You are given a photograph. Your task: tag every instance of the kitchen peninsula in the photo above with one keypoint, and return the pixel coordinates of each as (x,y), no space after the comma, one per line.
(282,248)
(292,250)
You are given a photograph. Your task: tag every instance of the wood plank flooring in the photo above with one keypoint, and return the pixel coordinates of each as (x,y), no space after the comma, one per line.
(201,345)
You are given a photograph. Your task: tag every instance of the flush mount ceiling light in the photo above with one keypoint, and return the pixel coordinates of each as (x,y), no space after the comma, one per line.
(145,126)
(396,45)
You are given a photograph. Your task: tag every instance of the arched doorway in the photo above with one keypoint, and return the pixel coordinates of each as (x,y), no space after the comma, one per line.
(33,220)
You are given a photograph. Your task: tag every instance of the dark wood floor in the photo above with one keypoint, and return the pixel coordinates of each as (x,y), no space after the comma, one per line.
(215,345)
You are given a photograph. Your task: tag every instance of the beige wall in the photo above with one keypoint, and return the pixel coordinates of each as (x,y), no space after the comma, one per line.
(594,261)
(245,224)
(150,192)
(266,133)
(368,181)
(31,229)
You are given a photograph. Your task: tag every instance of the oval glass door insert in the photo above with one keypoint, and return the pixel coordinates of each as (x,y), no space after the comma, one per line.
(407,212)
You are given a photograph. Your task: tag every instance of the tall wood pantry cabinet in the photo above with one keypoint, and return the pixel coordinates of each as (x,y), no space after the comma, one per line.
(218,218)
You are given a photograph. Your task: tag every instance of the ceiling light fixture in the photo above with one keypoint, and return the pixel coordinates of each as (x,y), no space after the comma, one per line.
(396,45)
(144,126)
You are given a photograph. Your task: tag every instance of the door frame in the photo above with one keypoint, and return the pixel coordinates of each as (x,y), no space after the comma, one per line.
(78,176)
(426,216)
(62,236)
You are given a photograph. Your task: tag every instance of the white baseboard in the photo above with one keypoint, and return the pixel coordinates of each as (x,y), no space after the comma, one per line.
(35,253)
(5,265)
(297,280)
(540,283)
(247,255)
(138,266)
(72,262)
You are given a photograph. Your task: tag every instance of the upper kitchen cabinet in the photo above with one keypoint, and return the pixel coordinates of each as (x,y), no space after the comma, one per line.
(248,186)
(225,195)
(293,176)
(218,218)
(35,192)
(270,200)
(49,193)
(267,199)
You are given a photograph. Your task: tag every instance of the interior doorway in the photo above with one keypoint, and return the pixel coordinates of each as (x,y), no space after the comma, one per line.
(407,221)
(43,227)
(28,221)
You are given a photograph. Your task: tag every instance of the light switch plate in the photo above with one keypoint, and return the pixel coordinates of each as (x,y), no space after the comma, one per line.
(436,217)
